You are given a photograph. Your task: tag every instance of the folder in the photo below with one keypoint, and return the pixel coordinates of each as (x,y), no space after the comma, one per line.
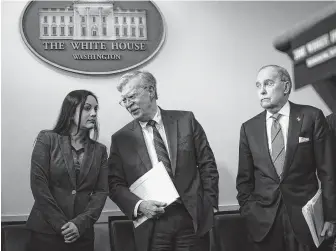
(313,214)
(157,185)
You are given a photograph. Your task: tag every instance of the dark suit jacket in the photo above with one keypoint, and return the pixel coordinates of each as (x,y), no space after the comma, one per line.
(331,119)
(57,198)
(196,176)
(259,188)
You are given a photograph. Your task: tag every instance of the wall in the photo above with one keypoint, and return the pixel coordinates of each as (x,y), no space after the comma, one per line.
(208,64)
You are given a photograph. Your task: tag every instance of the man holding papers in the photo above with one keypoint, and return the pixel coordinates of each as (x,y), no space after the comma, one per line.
(280,151)
(158,138)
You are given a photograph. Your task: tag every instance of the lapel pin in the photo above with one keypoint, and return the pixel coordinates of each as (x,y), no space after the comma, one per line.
(298,119)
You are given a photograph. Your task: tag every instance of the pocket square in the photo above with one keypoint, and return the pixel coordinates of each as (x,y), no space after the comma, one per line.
(303,139)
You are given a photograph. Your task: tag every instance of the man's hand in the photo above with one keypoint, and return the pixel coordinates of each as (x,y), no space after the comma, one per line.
(151,208)
(328,229)
(70,232)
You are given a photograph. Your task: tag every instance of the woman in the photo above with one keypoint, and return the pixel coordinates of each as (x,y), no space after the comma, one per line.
(68,178)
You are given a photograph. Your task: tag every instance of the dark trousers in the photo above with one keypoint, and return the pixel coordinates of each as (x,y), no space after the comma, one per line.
(174,231)
(281,236)
(51,242)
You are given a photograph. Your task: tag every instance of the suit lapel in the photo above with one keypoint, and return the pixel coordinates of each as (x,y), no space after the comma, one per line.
(68,158)
(294,128)
(170,126)
(89,153)
(140,144)
(265,147)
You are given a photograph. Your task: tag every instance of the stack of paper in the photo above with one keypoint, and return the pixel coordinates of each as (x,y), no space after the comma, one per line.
(157,185)
(313,214)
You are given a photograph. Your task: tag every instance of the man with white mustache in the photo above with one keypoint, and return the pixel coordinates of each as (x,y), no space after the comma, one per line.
(280,151)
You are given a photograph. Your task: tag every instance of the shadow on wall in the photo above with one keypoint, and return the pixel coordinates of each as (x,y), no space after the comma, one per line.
(227,185)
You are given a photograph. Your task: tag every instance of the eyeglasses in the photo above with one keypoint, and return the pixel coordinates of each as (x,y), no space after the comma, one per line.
(131,98)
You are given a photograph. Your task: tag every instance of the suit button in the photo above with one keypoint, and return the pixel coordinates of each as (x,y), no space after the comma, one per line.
(73,192)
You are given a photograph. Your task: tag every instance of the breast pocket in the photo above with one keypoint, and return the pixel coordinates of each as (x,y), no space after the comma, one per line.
(185,143)
(307,143)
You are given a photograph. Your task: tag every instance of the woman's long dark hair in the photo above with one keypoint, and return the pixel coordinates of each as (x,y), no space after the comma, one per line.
(68,109)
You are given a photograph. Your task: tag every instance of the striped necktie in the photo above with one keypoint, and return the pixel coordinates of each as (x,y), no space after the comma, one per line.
(160,148)
(278,145)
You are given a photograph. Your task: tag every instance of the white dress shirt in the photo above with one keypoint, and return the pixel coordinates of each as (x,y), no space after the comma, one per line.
(284,122)
(147,131)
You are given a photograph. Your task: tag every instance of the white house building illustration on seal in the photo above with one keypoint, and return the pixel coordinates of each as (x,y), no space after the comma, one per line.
(92,20)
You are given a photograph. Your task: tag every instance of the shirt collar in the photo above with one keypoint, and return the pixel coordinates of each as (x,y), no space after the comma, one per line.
(157,118)
(284,111)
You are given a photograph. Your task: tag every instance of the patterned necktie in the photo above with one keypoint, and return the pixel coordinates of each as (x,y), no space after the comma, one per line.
(160,148)
(278,145)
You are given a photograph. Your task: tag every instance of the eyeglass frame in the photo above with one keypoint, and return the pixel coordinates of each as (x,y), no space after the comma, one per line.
(135,95)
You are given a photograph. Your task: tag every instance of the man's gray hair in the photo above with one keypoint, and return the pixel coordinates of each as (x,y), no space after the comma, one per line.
(282,72)
(146,80)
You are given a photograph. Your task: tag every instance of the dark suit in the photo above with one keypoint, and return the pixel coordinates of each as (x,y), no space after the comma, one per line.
(331,119)
(261,191)
(58,199)
(196,176)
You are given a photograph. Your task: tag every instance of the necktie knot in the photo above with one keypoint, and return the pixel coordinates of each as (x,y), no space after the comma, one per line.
(276,117)
(151,123)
